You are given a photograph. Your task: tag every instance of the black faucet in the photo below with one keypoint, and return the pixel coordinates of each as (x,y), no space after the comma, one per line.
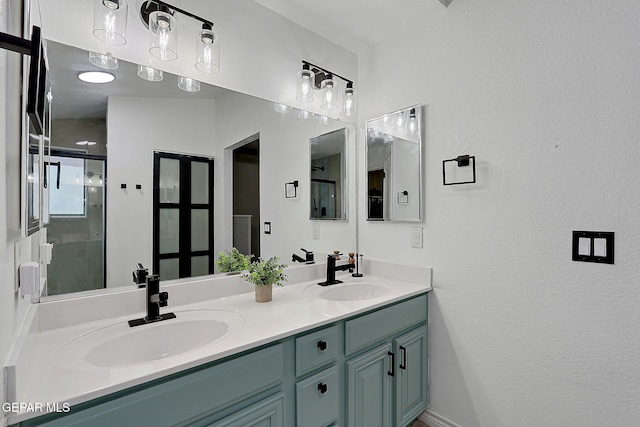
(140,275)
(308,256)
(155,300)
(332,268)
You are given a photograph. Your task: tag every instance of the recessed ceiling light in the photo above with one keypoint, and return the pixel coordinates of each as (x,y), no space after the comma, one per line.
(96,77)
(86,143)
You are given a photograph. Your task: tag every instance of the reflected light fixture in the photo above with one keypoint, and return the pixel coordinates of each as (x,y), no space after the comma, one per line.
(110,21)
(313,77)
(304,115)
(96,77)
(413,122)
(349,102)
(188,84)
(304,89)
(103,60)
(149,73)
(282,108)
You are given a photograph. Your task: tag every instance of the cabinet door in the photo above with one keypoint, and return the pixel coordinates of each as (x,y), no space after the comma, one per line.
(369,388)
(411,386)
(268,413)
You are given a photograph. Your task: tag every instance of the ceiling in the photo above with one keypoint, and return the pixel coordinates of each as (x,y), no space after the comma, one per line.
(357,25)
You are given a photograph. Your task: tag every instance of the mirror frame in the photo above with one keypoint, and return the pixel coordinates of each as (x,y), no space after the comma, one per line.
(418,108)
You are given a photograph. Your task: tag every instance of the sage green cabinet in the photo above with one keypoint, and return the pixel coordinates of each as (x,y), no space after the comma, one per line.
(369,389)
(411,375)
(268,413)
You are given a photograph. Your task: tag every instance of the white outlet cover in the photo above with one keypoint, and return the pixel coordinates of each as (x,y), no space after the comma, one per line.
(416,237)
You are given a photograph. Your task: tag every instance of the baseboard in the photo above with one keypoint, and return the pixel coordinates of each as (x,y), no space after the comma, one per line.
(435,420)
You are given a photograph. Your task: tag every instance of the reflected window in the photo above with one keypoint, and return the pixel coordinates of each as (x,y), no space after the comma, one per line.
(66,180)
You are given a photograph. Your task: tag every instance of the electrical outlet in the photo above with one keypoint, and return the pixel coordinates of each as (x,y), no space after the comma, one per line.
(416,237)
(315,231)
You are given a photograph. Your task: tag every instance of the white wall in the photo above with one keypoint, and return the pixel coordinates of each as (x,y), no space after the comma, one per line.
(284,157)
(546,95)
(136,127)
(12,308)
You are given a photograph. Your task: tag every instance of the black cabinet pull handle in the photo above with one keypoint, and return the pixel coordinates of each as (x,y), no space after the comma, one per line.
(322,345)
(403,365)
(322,388)
(393,364)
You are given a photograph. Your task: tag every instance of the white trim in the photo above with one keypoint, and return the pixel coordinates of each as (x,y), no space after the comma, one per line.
(435,420)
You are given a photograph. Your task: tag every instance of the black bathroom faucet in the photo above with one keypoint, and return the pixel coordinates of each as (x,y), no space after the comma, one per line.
(155,300)
(332,268)
(308,256)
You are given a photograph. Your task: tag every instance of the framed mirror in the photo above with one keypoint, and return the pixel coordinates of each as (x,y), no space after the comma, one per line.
(394,166)
(327,178)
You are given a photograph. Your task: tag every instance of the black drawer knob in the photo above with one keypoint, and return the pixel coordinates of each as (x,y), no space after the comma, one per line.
(322,345)
(322,388)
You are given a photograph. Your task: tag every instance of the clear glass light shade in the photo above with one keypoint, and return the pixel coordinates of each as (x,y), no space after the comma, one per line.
(400,121)
(282,108)
(110,21)
(412,125)
(163,30)
(304,114)
(349,102)
(329,94)
(208,51)
(103,60)
(188,84)
(304,90)
(149,73)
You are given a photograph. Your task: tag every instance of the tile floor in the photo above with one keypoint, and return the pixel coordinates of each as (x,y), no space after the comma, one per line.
(418,423)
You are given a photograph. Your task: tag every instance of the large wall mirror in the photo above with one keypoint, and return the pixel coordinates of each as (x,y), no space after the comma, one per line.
(201,171)
(394,166)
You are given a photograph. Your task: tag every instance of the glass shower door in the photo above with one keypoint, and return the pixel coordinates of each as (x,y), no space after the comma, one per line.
(77,190)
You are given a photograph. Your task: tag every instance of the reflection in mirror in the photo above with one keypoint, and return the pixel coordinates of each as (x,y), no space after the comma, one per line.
(222,160)
(394,166)
(328,176)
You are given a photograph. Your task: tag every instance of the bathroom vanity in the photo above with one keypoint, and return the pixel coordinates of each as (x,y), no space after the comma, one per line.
(350,354)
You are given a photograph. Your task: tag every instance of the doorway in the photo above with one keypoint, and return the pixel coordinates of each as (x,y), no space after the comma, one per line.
(246,198)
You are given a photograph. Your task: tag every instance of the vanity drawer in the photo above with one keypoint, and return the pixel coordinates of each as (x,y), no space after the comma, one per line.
(318,399)
(374,327)
(316,350)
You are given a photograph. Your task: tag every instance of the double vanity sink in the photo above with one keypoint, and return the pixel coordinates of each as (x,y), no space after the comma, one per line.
(75,363)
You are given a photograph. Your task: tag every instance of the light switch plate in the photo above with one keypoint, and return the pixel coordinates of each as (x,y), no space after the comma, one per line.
(416,237)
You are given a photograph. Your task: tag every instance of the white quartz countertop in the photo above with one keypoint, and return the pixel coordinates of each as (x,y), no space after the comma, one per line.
(43,377)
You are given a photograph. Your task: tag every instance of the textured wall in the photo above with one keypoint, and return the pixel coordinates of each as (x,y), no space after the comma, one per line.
(546,94)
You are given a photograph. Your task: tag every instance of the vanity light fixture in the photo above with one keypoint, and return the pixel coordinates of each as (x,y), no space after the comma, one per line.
(188,84)
(110,21)
(161,20)
(103,60)
(313,77)
(283,108)
(96,77)
(413,123)
(149,73)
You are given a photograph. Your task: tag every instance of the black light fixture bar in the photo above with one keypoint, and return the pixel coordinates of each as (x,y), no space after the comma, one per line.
(326,71)
(146,10)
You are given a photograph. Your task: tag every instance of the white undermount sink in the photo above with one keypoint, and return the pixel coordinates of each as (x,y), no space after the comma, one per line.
(347,291)
(119,345)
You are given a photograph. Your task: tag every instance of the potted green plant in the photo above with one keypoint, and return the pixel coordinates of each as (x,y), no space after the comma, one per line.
(264,274)
(233,261)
